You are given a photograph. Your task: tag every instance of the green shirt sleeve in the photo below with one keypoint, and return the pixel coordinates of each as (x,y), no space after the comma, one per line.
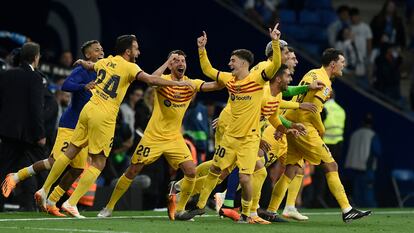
(285,122)
(295,90)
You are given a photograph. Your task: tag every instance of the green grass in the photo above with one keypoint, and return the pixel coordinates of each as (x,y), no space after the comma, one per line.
(326,220)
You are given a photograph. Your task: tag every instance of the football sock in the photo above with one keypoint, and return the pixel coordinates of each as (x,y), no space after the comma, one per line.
(85,182)
(209,184)
(198,185)
(121,187)
(337,189)
(24,173)
(57,169)
(258,179)
(246,206)
(293,190)
(56,195)
(187,186)
(232,185)
(278,193)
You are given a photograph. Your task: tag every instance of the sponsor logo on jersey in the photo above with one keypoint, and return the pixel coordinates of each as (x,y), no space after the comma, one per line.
(167,103)
(234,97)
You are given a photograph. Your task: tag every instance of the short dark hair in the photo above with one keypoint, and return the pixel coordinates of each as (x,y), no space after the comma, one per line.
(353,11)
(329,55)
(86,45)
(279,72)
(291,49)
(244,54)
(29,52)
(177,51)
(123,43)
(342,8)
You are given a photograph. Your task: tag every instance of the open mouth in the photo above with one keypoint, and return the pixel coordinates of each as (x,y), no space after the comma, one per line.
(180,70)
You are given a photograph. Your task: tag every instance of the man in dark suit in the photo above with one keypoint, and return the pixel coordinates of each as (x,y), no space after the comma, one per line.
(22,130)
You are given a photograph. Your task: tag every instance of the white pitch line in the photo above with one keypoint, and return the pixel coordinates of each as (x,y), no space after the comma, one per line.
(61,229)
(207,215)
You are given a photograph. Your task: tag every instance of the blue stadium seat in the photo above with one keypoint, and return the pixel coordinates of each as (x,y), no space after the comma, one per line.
(403,182)
(307,17)
(311,48)
(317,34)
(287,16)
(327,17)
(318,4)
(295,31)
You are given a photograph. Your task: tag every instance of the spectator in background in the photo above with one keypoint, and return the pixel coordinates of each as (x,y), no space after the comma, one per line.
(196,125)
(66,59)
(262,12)
(22,128)
(345,42)
(387,27)
(143,110)
(363,42)
(361,160)
(129,106)
(63,101)
(339,24)
(387,71)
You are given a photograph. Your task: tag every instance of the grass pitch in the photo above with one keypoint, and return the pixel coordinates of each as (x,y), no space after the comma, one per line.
(320,221)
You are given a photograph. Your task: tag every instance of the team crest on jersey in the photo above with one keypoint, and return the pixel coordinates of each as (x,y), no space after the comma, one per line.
(167,103)
(326,92)
(237,89)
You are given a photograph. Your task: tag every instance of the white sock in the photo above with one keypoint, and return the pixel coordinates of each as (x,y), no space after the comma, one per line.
(346,210)
(253,214)
(290,207)
(51,203)
(31,170)
(16,178)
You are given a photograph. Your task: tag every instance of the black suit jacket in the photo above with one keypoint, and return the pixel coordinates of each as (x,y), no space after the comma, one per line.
(21,105)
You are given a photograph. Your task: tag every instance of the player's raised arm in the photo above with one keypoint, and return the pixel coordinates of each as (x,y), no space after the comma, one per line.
(164,66)
(211,86)
(88,65)
(155,80)
(205,64)
(271,69)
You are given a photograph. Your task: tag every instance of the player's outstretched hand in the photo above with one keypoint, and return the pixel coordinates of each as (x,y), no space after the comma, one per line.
(202,41)
(78,62)
(308,107)
(275,33)
(294,132)
(187,83)
(265,146)
(316,85)
(300,128)
(90,85)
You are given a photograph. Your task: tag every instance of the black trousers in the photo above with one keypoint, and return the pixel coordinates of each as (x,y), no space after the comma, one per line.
(15,155)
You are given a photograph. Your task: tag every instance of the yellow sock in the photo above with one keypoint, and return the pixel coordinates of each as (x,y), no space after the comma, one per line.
(258,179)
(246,206)
(337,189)
(198,185)
(56,194)
(209,184)
(293,190)
(57,169)
(85,182)
(278,193)
(187,186)
(121,187)
(23,173)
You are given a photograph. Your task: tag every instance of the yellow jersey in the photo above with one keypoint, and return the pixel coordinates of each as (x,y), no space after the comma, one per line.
(170,104)
(114,75)
(318,97)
